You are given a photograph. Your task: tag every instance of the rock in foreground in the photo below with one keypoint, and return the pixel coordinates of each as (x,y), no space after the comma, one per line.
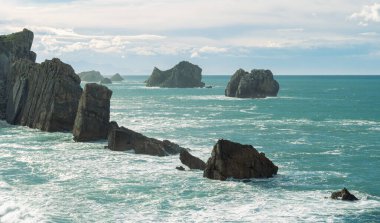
(234,160)
(191,161)
(257,84)
(117,77)
(343,195)
(122,139)
(182,75)
(91,76)
(92,119)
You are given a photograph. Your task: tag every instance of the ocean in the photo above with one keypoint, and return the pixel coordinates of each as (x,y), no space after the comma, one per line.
(323,132)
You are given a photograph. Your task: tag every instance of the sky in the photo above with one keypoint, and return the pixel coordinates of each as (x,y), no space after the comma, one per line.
(131,37)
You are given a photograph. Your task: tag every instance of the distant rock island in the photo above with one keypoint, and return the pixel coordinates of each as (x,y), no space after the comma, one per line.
(117,77)
(106,81)
(257,84)
(91,76)
(182,75)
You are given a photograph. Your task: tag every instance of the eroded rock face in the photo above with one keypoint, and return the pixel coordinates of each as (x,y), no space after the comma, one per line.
(234,160)
(117,77)
(91,76)
(92,119)
(122,139)
(182,75)
(13,47)
(43,96)
(257,84)
(343,195)
(191,161)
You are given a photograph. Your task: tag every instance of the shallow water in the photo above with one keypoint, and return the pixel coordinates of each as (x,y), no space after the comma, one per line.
(322,132)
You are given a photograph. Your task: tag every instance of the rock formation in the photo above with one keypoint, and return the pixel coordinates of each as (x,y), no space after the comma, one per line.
(234,160)
(13,47)
(92,119)
(43,96)
(257,84)
(191,161)
(106,81)
(343,195)
(182,75)
(122,139)
(117,77)
(91,76)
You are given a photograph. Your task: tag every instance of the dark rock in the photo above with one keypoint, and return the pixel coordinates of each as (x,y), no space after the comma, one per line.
(106,81)
(234,160)
(122,139)
(343,195)
(257,84)
(208,86)
(43,96)
(13,47)
(91,76)
(117,77)
(182,75)
(191,161)
(92,119)
(181,168)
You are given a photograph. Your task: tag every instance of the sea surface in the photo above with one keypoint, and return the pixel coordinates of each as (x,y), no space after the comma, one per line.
(322,131)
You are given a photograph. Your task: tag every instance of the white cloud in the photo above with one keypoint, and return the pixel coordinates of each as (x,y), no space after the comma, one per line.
(207,50)
(368,13)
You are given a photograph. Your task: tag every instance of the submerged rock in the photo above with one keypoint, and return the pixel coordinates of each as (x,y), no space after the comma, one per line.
(92,119)
(43,96)
(13,47)
(122,139)
(91,76)
(257,84)
(117,77)
(234,160)
(106,81)
(182,75)
(343,195)
(191,161)
(180,168)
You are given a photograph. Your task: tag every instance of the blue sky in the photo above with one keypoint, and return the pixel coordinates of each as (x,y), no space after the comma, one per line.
(133,36)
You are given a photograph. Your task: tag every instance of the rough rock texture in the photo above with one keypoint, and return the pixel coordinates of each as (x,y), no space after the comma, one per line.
(191,161)
(343,195)
(43,96)
(106,81)
(257,84)
(13,47)
(234,160)
(122,139)
(92,119)
(117,77)
(182,75)
(91,76)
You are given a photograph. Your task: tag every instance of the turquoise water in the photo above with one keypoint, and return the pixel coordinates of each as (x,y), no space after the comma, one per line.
(322,132)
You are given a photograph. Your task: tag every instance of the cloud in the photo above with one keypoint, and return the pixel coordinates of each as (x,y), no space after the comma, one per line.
(368,13)
(207,50)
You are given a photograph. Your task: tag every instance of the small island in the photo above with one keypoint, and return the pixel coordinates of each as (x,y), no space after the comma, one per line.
(91,76)
(182,75)
(116,77)
(257,84)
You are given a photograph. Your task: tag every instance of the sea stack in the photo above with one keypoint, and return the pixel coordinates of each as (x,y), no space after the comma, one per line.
(91,76)
(182,75)
(234,160)
(106,81)
(117,77)
(257,84)
(92,119)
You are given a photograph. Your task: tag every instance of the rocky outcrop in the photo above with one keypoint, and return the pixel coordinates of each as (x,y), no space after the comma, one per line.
(234,160)
(343,195)
(122,139)
(257,84)
(191,161)
(117,77)
(91,76)
(43,96)
(182,75)
(13,47)
(92,119)
(106,81)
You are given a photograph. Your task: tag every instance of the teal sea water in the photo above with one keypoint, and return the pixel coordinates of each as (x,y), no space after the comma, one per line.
(322,131)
